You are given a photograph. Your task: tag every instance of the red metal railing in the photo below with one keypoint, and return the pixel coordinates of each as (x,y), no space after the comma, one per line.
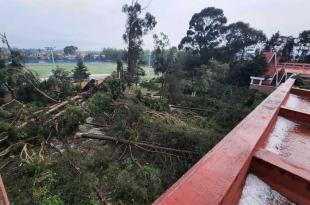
(295,65)
(219,177)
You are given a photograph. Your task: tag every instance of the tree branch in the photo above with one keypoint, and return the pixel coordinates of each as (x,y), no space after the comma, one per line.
(116,140)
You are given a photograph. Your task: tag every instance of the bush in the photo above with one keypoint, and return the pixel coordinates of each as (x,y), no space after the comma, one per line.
(52,200)
(301,83)
(113,86)
(125,119)
(54,182)
(133,186)
(153,84)
(60,81)
(150,179)
(156,104)
(99,103)
(72,186)
(70,120)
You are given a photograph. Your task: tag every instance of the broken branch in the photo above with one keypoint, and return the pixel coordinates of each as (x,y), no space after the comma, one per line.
(116,140)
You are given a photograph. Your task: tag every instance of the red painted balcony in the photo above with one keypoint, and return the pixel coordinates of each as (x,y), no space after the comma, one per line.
(263,160)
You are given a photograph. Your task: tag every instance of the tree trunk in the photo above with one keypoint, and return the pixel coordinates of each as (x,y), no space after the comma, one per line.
(130,56)
(12,91)
(141,144)
(193,89)
(162,87)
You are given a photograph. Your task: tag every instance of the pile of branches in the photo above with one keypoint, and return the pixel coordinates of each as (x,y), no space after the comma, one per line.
(21,121)
(18,120)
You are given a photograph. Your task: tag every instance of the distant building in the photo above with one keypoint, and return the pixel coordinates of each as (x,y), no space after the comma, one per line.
(277,73)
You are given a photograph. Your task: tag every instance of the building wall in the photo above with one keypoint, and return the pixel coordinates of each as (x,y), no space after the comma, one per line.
(263,88)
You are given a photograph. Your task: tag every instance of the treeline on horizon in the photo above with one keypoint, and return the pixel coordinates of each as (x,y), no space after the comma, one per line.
(222,41)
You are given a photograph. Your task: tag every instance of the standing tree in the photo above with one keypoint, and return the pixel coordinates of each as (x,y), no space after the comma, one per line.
(17,59)
(239,36)
(120,74)
(288,49)
(60,83)
(80,72)
(274,42)
(3,77)
(2,60)
(204,34)
(136,27)
(203,39)
(283,44)
(70,50)
(303,45)
(9,77)
(241,71)
(162,58)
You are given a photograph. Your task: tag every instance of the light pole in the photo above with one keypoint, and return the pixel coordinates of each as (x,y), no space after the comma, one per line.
(51,50)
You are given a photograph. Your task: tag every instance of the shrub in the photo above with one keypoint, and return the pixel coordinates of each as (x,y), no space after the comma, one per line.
(150,179)
(153,84)
(131,185)
(71,119)
(126,117)
(157,104)
(52,200)
(301,83)
(113,86)
(99,103)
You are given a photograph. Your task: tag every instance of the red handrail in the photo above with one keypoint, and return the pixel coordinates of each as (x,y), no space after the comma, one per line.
(218,177)
(3,196)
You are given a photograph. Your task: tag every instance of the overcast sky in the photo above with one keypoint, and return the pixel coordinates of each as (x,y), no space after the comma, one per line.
(94,24)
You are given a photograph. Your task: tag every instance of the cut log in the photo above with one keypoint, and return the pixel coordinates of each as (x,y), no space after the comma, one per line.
(54,108)
(62,104)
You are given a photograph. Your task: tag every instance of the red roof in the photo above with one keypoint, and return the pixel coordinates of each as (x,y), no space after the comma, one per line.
(273,67)
(271,70)
(268,56)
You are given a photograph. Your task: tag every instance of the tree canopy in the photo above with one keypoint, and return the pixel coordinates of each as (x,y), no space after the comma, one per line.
(304,46)
(204,33)
(210,37)
(289,47)
(136,26)
(274,42)
(80,72)
(70,50)
(239,36)
(113,54)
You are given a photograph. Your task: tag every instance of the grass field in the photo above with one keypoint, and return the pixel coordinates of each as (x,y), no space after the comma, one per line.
(44,70)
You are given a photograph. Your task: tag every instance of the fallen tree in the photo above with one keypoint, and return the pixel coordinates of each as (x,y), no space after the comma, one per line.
(51,109)
(62,104)
(140,145)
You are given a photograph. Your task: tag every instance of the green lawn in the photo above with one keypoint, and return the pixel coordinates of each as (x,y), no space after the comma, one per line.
(44,70)
(149,73)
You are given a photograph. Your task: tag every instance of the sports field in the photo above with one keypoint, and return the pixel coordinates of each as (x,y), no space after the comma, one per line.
(44,70)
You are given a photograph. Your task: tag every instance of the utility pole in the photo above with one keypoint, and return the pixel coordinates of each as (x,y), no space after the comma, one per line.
(50,49)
